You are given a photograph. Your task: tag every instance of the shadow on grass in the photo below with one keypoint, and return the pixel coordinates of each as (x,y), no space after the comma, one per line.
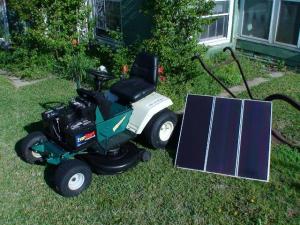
(49,176)
(36,126)
(18,149)
(173,143)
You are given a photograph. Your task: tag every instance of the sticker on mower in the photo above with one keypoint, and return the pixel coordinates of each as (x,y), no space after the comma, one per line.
(82,139)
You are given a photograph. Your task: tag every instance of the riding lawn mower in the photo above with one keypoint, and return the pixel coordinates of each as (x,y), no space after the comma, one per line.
(94,132)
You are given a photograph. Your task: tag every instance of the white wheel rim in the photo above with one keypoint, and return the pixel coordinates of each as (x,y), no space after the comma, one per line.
(76,181)
(36,155)
(166,131)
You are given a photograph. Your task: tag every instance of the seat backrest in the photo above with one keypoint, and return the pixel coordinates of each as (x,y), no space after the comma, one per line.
(145,66)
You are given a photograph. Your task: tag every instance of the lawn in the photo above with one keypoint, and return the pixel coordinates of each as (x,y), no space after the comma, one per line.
(151,193)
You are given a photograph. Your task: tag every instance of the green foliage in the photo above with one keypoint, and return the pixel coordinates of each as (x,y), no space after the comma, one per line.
(280,65)
(177,26)
(227,70)
(51,25)
(54,39)
(114,57)
(27,64)
(76,64)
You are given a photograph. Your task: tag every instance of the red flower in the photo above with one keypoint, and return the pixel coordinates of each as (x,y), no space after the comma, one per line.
(161,70)
(162,78)
(125,69)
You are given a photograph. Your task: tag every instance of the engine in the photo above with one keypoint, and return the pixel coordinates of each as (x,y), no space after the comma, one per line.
(72,126)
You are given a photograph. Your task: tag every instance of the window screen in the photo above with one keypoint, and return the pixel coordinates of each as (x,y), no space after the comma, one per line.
(289,23)
(3,20)
(257,18)
(108,16)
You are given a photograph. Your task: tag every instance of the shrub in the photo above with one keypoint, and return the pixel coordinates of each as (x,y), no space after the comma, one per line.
(50,25)
(177,26)
(27,64)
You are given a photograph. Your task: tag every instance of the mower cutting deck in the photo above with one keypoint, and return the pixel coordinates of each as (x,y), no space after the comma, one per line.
(94,132)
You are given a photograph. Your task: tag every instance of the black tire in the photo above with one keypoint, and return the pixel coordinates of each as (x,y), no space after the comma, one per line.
(152,130)
(66,174)
(25,150)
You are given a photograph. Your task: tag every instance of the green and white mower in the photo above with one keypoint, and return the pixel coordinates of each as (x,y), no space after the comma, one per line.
(95,131)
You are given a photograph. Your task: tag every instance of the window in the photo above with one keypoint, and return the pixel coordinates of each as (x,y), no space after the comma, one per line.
(220,30)
(3,20)
(276,22)
(288,23)
(107,15)
(257,18)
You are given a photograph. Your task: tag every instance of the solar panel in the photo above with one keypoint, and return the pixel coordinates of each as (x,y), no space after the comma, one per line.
(226,136)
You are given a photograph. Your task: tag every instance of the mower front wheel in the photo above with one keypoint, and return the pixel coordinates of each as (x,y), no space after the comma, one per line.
(72,177)
(25,151)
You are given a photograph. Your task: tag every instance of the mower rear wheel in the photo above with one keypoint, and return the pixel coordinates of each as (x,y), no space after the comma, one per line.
(25,151)
(72,177)
(160,129)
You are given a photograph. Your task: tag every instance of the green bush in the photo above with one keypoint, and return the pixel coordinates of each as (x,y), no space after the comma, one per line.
(27,64)
(50,26)
(176,31)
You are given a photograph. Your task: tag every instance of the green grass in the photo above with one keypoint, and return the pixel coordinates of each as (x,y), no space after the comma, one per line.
(151,193)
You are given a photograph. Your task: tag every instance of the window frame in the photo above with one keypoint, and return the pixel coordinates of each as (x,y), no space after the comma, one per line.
(223,40)
(277,24)
(274,23)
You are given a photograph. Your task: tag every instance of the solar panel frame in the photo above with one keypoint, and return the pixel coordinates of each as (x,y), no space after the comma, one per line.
(240,136)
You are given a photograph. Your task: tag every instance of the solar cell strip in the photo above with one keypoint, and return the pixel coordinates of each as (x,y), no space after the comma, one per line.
(209,132)
(239,140)
(224,137)
(193,138)
(255,142)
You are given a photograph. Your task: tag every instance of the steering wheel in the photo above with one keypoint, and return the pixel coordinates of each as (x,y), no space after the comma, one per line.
(100,75)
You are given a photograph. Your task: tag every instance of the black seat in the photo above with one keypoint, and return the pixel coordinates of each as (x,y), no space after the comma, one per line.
(142,80)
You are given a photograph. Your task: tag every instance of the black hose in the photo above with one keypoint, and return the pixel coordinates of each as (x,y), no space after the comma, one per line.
(197,56)
(294,104)
(240,68)
(273,97)
(276,134)
(285,98)
(270,98)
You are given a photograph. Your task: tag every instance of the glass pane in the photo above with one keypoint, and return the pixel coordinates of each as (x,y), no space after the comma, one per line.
(3,20)
(220,25)
(113,15)
(108,14)
(204,34)
(221,7)
(289,23)
(257,17)
(217,29)
(212,30)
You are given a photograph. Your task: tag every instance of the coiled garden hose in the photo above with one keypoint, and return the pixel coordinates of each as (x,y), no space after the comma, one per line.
(276,134)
